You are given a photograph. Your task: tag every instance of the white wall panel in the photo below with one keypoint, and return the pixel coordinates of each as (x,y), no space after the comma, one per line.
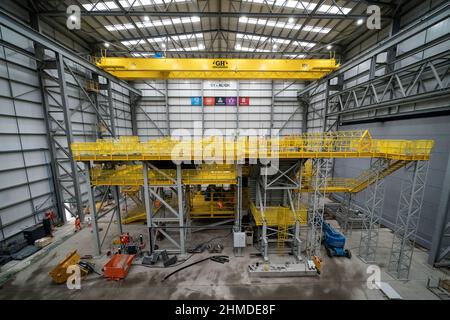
(182,115)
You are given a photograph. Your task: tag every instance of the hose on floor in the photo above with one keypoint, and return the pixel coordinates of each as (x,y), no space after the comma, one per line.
(219,259)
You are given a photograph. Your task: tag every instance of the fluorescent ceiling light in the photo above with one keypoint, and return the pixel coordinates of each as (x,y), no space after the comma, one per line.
(295,56)
(303,5)
(274,40)
(111,5)
(152,23)
(191,36)
(280,24)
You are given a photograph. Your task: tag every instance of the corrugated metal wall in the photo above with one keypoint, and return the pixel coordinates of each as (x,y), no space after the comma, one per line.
(25,178)
(435,128)
(360,73)
(26,187)
(154,111)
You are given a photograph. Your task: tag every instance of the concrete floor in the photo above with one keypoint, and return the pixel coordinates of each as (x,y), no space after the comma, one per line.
(341,278)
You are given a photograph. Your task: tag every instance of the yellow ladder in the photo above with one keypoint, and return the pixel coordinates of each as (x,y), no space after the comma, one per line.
(282,230)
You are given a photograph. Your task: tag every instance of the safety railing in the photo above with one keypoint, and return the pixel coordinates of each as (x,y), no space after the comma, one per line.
(131,175)
(271,215)
(220,149)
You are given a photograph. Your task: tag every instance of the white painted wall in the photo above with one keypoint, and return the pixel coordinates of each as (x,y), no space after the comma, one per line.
(178,113)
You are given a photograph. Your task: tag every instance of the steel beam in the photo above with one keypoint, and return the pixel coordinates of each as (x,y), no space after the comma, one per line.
(433,17)
(211,14)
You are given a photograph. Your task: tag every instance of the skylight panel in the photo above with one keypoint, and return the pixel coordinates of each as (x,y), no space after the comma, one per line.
(281,24)
(151,54)
(183,37)
(152,24)
(304,5)
(239,47)
(196,48)
(111,5)
(304,44)
(294,56)
(274,40)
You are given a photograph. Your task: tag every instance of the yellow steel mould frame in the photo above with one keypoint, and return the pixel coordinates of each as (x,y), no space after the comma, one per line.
(169,68)
(132,175)
(271,215)
(340,144)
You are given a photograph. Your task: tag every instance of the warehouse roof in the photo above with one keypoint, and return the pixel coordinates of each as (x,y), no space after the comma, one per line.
(225,28)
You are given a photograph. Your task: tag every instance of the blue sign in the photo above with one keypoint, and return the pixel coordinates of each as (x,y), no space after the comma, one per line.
(196,101)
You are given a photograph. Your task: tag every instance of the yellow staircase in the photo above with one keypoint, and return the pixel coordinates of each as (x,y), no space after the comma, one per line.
(368,177)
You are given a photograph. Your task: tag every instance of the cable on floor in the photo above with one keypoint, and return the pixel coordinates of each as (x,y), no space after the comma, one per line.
(219,259)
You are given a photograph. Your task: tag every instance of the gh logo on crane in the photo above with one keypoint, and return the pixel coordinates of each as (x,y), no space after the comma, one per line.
(220,64)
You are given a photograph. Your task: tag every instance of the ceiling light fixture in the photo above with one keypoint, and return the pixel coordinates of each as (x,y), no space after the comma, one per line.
(329,47)
(360,22)
(106,45)
(146,18)
(291,20)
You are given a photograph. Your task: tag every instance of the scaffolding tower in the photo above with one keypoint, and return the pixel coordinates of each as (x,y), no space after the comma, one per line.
(407,222)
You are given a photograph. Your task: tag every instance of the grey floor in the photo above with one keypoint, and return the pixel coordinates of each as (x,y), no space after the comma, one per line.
(341,278)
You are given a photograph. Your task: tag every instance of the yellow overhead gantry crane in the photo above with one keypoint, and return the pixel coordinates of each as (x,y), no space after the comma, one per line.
(196,68)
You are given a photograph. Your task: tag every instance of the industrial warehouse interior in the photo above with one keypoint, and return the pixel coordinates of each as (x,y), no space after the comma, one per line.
(224,150)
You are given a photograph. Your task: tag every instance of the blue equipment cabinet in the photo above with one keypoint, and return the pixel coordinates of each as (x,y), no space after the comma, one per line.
(334,242)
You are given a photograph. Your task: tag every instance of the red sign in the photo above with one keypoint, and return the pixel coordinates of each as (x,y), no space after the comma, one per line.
(244,101)
(209,101)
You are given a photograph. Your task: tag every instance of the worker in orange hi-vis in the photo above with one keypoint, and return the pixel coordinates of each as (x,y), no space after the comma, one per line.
(77,223)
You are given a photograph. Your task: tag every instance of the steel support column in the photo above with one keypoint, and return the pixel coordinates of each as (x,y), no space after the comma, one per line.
(116,195)
(93,209)
(238,218)
(67,127)
(320,170)
(372,215)
(111,109)
(181,210)
(407,223)
(148,208)
(166,104)
(345,211)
